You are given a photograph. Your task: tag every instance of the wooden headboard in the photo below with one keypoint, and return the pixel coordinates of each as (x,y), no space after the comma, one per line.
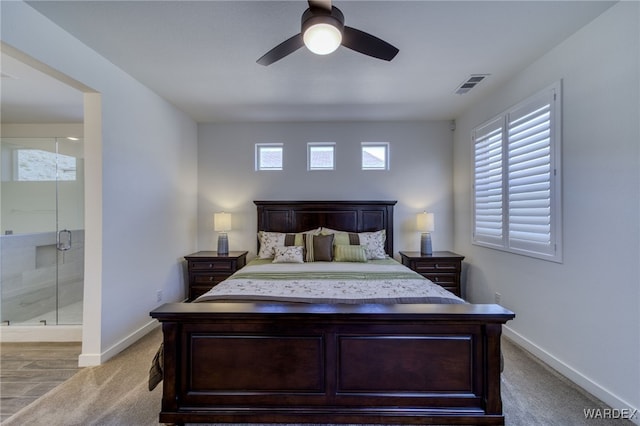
(348,216)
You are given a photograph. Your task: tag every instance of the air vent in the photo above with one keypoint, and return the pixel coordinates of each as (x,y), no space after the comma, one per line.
(470,83)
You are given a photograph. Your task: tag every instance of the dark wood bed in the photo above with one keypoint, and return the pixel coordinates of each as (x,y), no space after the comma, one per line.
(311,363)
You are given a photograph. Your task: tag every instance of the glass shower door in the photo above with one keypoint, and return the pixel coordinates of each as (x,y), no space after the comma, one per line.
(70,231)
(41,249)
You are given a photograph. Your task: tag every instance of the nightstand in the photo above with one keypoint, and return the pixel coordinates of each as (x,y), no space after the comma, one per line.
(442,267)
(207,268)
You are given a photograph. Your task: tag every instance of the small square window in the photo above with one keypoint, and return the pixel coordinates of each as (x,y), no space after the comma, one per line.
(321,156)
(269,156)
(375,156)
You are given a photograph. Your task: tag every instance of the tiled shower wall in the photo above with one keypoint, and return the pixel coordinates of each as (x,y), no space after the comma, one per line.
(28,275)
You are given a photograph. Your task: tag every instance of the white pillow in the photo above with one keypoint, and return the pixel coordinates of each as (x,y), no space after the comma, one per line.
(289,254)
(268,242)
(373,243)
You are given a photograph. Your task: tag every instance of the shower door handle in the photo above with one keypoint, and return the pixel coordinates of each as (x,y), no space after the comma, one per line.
(64,240)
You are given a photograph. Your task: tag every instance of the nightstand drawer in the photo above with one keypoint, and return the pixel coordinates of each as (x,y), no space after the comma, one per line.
(449,282)
(444,280)
(212,265)
(430,266)
(201,279)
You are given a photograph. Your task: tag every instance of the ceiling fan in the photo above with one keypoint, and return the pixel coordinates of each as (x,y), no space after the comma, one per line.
(323,31)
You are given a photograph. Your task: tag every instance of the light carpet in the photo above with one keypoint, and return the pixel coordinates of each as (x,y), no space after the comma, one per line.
(116,393)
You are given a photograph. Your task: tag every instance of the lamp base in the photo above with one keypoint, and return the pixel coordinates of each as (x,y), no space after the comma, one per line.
(223,244)
(425,244)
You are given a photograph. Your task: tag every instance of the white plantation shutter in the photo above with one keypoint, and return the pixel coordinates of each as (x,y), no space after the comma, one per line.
(488,183)
(529,177)
(521,150)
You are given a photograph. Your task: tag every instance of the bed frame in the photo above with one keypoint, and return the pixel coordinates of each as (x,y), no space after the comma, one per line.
(331,364)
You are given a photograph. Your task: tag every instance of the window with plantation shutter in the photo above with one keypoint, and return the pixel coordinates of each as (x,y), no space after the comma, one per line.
(517,179)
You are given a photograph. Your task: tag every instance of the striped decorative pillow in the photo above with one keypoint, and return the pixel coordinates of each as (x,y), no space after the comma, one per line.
(349,253)
(346,238)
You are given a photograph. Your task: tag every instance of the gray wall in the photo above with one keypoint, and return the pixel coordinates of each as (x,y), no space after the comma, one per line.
(581,316)
(419,177)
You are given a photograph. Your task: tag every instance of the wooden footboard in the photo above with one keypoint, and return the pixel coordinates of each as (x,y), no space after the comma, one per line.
(286,363)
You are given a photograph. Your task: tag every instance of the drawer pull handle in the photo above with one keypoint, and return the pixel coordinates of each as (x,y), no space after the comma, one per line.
(211,265)
(436,279)
(210,278)
(437,266)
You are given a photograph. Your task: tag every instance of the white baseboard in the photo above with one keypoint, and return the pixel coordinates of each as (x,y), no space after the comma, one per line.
(41,333)
(90,360)
(570,373)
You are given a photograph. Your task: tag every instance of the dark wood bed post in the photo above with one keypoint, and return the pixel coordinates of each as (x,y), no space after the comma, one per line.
(171,362)
(493,333)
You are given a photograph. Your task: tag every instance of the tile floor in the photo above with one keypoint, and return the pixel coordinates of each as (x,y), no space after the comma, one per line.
(67,315)
(29,370)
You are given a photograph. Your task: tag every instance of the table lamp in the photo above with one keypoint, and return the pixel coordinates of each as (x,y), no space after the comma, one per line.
(222,224)
(425,225)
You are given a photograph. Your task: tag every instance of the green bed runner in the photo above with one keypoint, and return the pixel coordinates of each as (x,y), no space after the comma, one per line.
(328,275)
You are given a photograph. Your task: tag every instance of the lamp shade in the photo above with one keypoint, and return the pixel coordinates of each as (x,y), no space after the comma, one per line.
(221,222)
(425,222)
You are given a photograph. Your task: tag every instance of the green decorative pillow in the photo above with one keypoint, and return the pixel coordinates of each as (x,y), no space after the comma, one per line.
(319,248)
(346,238)
(349,253)
(298,239)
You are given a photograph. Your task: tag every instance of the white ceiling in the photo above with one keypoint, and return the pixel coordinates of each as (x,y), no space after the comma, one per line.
(201,55)
(31,96)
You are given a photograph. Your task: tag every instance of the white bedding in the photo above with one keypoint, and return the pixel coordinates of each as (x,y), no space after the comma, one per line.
(385,281)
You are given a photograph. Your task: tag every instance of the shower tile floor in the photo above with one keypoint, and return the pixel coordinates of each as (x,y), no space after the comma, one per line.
(67,315)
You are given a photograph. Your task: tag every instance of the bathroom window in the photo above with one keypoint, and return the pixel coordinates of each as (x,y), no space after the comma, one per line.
(34,165)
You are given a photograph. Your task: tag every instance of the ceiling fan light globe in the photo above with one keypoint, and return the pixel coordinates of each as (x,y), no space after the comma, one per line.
(322,38)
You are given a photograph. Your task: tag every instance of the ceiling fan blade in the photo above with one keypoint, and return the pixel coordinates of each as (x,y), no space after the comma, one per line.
(321,4)
(369,45)
(283,49)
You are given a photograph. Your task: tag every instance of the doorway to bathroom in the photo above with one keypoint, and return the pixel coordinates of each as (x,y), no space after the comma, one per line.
(42,231)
